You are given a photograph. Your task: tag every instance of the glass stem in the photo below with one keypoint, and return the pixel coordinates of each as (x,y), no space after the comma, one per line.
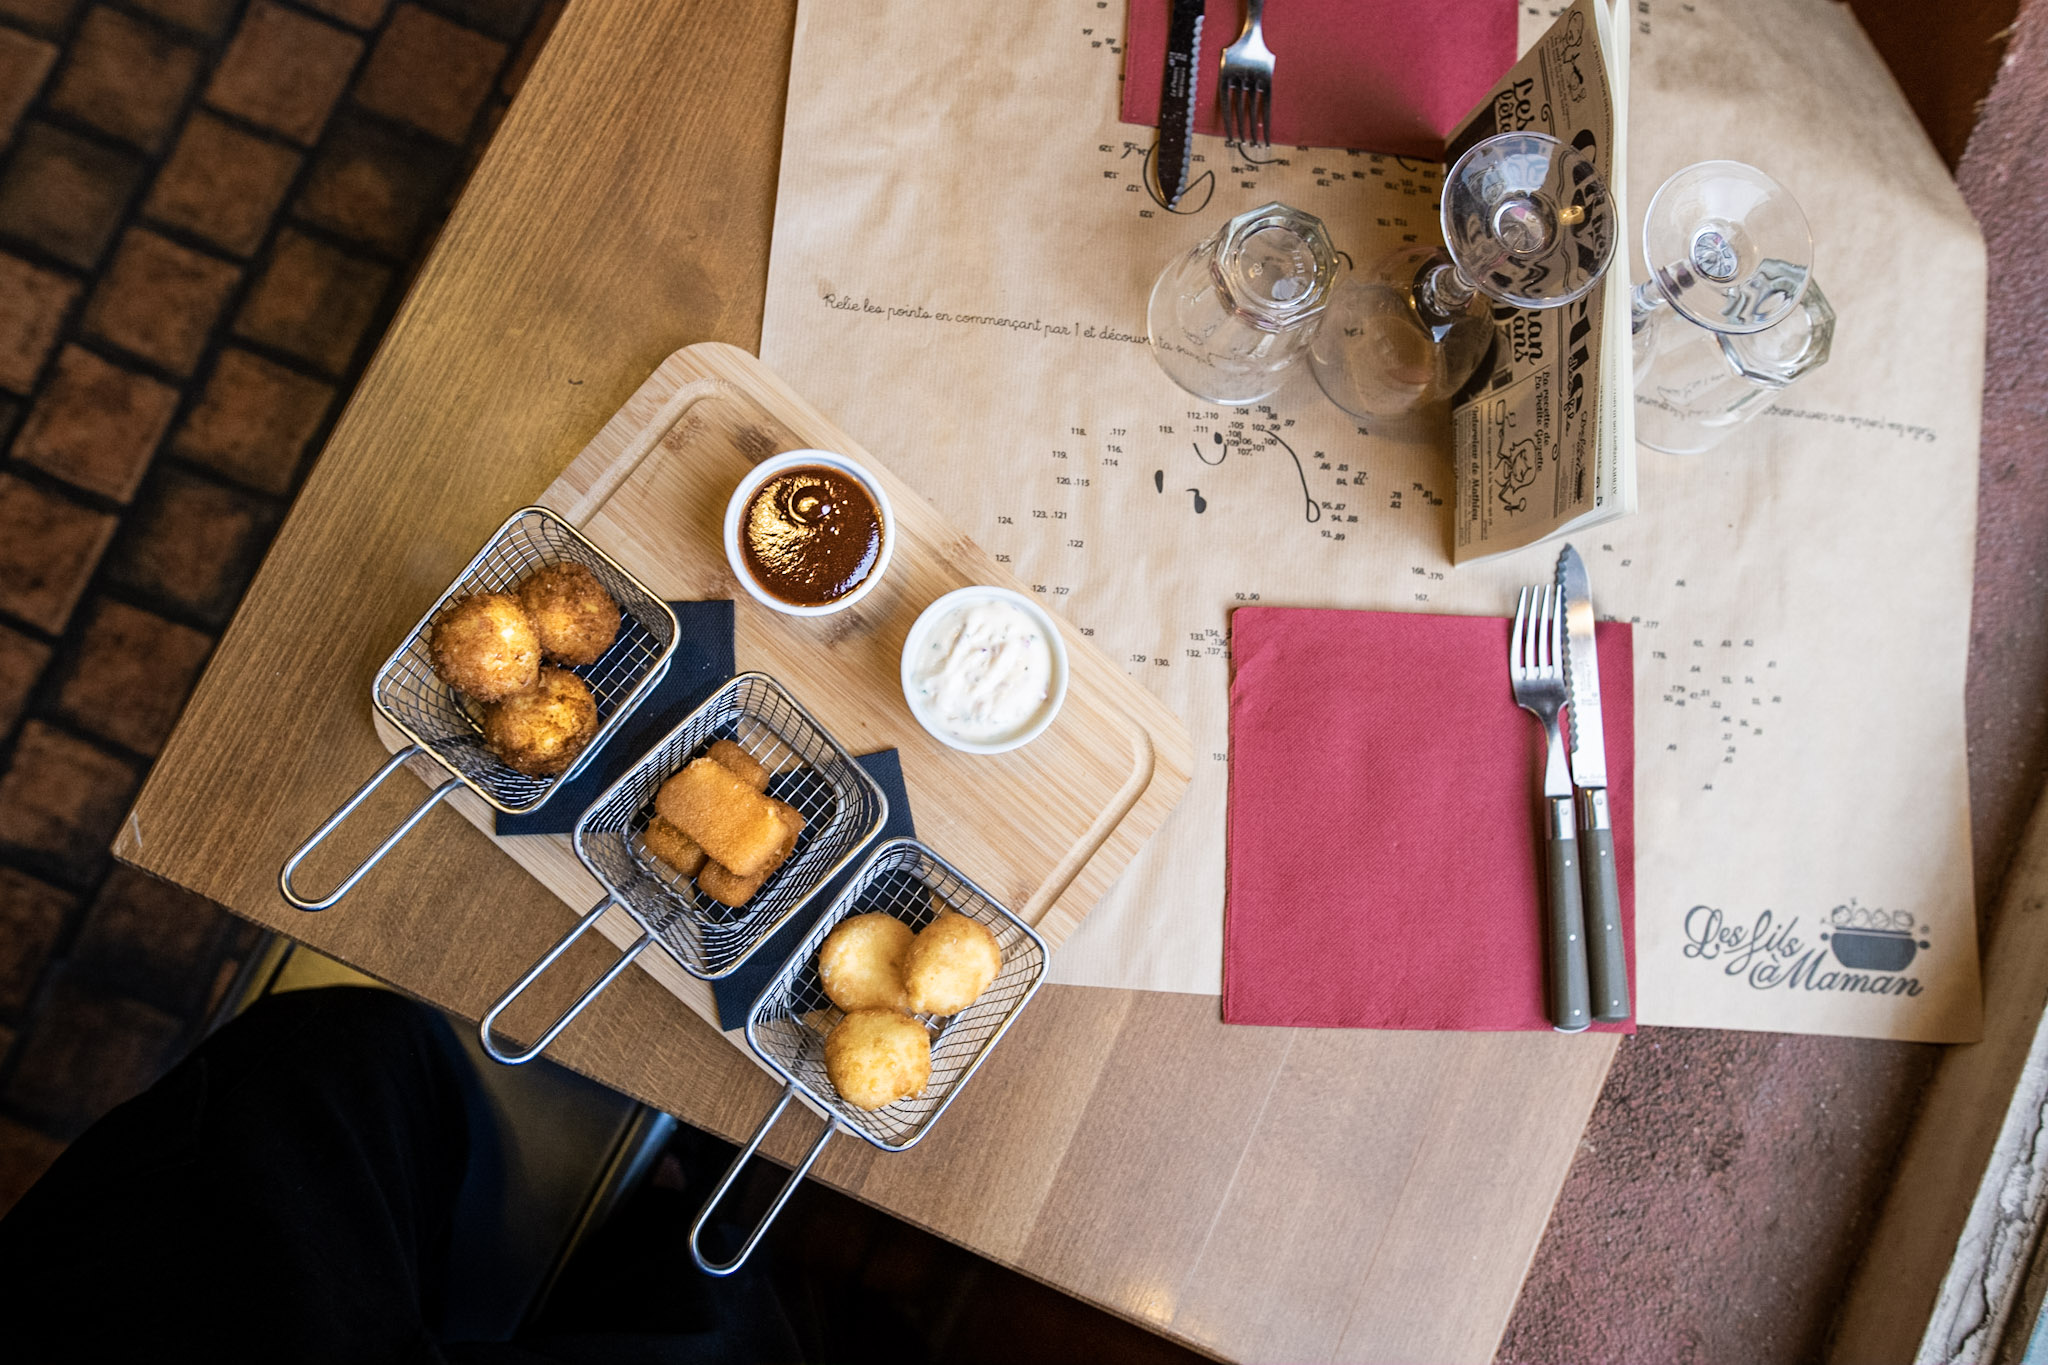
(1441,293)
(1644,301)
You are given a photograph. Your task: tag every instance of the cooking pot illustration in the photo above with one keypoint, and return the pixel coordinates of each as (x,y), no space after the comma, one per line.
(1873,940)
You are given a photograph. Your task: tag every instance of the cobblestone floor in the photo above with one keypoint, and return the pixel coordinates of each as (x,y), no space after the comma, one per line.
(208,211)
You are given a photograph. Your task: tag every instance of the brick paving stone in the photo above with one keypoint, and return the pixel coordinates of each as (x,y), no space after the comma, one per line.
(87,1050)
(284,71)
(528,52)
(374,184)
(254,420)
(44,15)
(96,424)
(65,193)
(359,13)
(151,940)
(430,73)
(21,663)
(33,302)
(63,797)
(49,547)
(200,16)
(505,19)
(24,61)
(159,300)
(125,78)
(194,543)
(223,184)
(31,914)
(130,676)
(313,301)
(24,1154)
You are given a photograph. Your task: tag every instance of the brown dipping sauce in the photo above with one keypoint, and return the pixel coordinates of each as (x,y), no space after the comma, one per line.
(810,535)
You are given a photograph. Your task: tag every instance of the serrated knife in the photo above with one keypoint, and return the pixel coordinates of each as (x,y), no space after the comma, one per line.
(1177,99)
(1606,955)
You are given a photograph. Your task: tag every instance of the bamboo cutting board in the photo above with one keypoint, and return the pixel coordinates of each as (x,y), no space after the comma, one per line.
(1045,828)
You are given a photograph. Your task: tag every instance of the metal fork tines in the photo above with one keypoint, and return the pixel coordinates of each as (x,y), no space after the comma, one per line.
(1246,90)
(1536,673)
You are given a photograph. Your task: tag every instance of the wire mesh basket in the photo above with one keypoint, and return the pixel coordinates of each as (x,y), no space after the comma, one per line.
(789,1021)
(441,726)
(843,808)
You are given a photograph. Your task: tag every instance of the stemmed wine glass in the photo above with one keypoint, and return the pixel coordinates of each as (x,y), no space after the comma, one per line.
(1527,221)
(1730,314)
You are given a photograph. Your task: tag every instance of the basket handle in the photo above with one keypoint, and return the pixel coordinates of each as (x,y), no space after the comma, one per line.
(291,865)
(484,1030)
(732,1172)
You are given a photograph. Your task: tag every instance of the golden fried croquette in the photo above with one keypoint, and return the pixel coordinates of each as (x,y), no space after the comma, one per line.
(741,763)
(950,963)
(485,646)
(729,888)
(878,1056)
(736,825)
(861,964)
(542,730)
(576,619)
(673,847)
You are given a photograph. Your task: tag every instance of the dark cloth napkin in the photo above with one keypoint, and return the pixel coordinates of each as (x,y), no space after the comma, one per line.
(703,663)
(700,666)
(1385,848)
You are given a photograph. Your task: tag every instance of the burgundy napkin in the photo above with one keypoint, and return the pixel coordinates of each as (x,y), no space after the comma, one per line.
(1377,75)
(1385,843)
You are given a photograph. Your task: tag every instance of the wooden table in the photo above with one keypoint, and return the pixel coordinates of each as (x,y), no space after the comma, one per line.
(1258,1193)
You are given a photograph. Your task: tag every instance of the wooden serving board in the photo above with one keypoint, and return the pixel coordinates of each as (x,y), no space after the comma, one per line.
(1045,828)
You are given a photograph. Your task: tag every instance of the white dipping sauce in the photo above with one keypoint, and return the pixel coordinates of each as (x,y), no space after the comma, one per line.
(984,671)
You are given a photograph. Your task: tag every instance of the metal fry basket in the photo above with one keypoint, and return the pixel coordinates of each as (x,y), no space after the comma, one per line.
(790,1020)
(440,726)
(843,808)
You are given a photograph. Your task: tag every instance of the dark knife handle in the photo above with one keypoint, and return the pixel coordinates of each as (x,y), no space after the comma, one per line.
(1564,935)
(1606,954)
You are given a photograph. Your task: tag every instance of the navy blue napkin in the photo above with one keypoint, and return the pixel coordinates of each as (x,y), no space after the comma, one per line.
(736,993)
(700,666)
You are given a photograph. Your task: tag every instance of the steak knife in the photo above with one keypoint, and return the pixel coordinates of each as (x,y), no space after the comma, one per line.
(1607,956)
(1177,99)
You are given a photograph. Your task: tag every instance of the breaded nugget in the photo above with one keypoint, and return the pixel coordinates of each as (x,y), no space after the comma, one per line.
(742,764)
(861,964)
(878,1056)
(673,847)
(485,646)
(736,825)
(729,888)
(542,730)
(576,619)
(950,963)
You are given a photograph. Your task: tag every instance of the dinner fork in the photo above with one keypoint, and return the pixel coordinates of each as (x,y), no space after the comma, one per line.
(1536,673)
(1246,90)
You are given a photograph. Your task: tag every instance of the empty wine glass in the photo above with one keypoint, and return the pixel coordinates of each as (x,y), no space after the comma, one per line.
(1730,314)
(1230,318)
(1527,221)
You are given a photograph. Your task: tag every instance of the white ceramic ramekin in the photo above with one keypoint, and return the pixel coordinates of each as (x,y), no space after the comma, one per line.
(1055,697)
(736,507)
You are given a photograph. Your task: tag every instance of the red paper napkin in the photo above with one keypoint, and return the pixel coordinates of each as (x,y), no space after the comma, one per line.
(1378,75)
(1385,844)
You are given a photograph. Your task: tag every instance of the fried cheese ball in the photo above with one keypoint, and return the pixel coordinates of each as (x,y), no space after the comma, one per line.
(673,847)
(950,963)
(736,825)
(729,888)
(861,964)
(878,1056)
(542,730)
(485,647)
(576,619)
(739,763)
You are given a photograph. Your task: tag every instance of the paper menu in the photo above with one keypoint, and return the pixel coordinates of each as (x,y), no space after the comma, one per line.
(963,286)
